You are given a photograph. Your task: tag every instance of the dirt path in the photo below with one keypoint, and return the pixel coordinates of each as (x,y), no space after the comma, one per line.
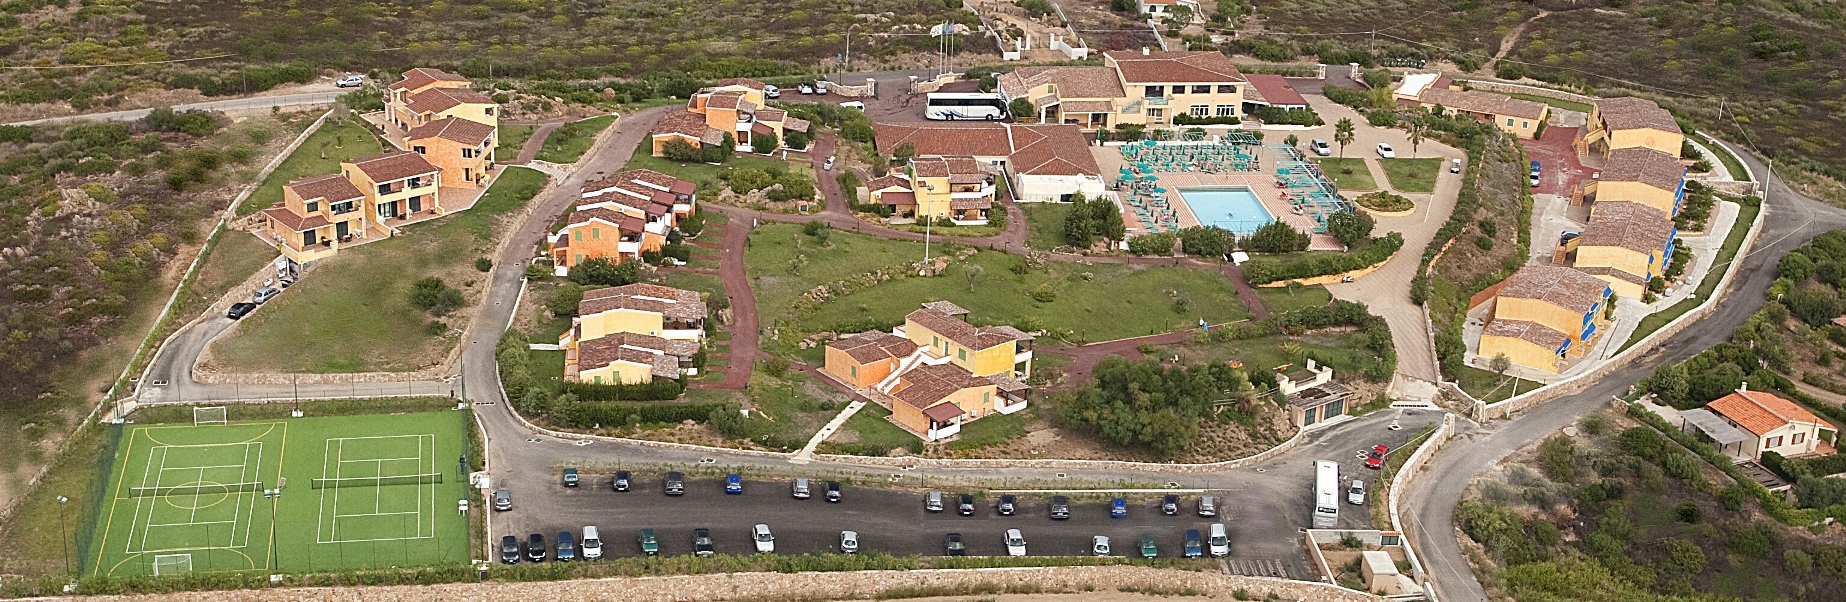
(536,143)
(1512,38)
(744,329)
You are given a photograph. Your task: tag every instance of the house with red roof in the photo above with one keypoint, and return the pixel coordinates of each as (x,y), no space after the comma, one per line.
(620,217)
(735,107)
(1746,423)
(937,372)
(1041,162)
(1139,88)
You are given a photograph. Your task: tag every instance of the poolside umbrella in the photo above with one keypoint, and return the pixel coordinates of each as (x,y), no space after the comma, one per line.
(1160,189)
(1149,178)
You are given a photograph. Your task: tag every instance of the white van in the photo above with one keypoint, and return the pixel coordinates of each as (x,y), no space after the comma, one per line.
(933,501)
(1219,543)
(592,545)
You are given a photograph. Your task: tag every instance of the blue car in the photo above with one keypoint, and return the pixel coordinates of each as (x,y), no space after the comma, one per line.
(1118,508)
(734,484)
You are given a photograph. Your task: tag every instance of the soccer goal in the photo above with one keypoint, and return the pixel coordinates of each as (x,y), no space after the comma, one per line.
(211,415)
(172,564)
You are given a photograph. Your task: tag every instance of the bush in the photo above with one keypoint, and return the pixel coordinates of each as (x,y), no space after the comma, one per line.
(1351,228)
(1153,244)
(1276,237)
(601,271)
(483,264)
(434,296)
(797,140)
(1274,116)
(660,389)
(681,151)
(1356,99)
(590,414)
(1264,270)
(764,144)
(1207,241)
(195,123)
(1385,201)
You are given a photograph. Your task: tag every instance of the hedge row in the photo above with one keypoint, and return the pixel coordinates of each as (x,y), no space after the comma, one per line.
(1264,270)
(660,389)
(590,414)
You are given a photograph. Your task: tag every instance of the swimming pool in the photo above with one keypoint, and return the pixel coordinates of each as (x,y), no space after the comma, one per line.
(1233,208)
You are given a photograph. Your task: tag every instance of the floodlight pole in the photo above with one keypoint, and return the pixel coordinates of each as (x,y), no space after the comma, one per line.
(64,523)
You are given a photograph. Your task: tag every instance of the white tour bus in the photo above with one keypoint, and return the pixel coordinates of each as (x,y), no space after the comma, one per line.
(954,106)
(1326,494)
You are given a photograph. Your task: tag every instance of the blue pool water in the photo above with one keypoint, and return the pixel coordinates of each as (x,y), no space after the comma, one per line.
(1233,208)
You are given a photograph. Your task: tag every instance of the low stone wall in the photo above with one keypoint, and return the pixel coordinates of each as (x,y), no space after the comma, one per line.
(1506,88)
(804,586)
(1401,481)
(1046,464)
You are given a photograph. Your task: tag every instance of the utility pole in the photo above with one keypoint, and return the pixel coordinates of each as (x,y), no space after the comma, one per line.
(64,522)
(849,29)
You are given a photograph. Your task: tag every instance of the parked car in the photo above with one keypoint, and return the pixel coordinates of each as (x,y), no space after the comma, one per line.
(567,549)
(1454,165)
(1355,495)
(592,545)
(1015,543)
(1208,506)
(1148,549)
(620,482)
(263,295)
(535,547)
(1534,174)
(1060,507)
(806,89)
(1099,545)
(849,542)
(828,166)
(965,505)
(1008,504)
(765,541)
(701,542)
(350,81)
(650,545)
(734,484)
(503,500)
(820,87)
(676,483)
(1118,508)
(833,491)
(771,91)
(1194,546)
(800,488)
(1375,460)
(509,550)
(570,477)
(1220,542)
(1169,505)
(239,310)
(932,501)
(1320,147)
(1385,150)
(952,545)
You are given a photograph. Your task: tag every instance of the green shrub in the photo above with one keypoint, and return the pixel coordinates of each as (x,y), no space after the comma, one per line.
(1264,270)
(659,389)
(1384,200)
(433,295)
(1153,244)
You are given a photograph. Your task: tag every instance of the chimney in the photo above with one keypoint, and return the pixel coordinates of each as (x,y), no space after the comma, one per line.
(1743,387)
(1143,51)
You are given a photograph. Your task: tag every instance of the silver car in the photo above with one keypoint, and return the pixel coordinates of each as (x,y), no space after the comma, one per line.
(1100,545)
(350,81)
(849,542)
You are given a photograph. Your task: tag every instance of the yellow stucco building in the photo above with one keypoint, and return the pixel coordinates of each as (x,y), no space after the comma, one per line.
(1629,122)
(958,189)
(937,371)
(1640,175)
(1626,244)
(1544,315)
(1520,118)
(734,106)
(628,358)
(627,334)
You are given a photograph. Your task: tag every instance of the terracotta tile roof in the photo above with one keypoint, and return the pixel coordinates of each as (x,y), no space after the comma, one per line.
(1274,89)
(726,100)
(761,129)
(1532,332)
(966,170)
(867,347)
(887,181)
(683,187)
(1176,67)
(436,100)
(1087,106)
(330,187)
(926,385)
(943,412)
(688,124)
(299,223)
(453,128)
(393,165)
(963,333)
(976,139)
(1644,165)
(623,222)
(771,115)
(1052,150)
(1564,287)
(632,348)
(741,81)
(1629,113)
(1628,225)
(932,167)
(947,308)
(1608,271)
(1006,382)
(668,301)
(1069,82)
(1475,101)
(1761,412)
(795,124)
(423,76)
(898,198)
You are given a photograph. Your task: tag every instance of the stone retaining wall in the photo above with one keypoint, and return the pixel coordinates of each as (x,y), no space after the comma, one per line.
(806,586)
(1401,481)
(1506,88)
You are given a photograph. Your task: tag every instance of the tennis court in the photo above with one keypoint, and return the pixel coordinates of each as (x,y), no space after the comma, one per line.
(291,495)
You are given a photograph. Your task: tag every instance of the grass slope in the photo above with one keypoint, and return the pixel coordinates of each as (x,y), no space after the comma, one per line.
(568,143)
(335,142)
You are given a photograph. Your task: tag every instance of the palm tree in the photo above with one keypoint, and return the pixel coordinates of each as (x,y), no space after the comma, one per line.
(1343,134)
(1416,127)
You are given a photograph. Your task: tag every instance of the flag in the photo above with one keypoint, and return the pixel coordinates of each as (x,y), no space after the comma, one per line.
(940,30)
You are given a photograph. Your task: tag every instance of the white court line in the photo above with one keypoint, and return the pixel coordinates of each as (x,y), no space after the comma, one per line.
(424,459)
(417,458)
(339,454)
(129,547)
(213,466)
(417,512)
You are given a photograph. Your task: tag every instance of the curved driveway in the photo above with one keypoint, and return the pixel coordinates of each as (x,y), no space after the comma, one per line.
(1789,221)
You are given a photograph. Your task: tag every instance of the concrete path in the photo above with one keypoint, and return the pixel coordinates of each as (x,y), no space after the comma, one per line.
(807,451)
(536,143)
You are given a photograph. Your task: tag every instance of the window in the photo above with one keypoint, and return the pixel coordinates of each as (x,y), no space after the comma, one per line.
(419,149)
(1509,122)
(1525,124)
(1227,89)
(577,236)
(596,233)
(490,111)
(313,206)
(1157,115)
(1156,92)
(1227,110)
(1775,441)
(307,238)
(1797,438)
(1199,110)
(346,207)
(935,341)
(598,380)
(384,189)
(961,354)
(467,153)
(1201,89)
(987,397)
(579,259)
(854,370)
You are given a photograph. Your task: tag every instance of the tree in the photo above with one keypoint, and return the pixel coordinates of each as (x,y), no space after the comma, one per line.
(974,273)
(1180,14)
(1668,382)
(1557,458)
(1343,133)
(797,140)
(1414,129)
(904,153)
(1108,221)
(1814,305)
(1207,241)
(1292,140)
(433,295)
(1078,231)
(1795,266)
(1350,227)
(764,144)
(601,271)
(1276,237)
(1022,109)
(1500,364)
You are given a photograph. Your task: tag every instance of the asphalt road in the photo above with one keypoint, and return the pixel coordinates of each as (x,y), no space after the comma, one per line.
(1789,221)
(254,102)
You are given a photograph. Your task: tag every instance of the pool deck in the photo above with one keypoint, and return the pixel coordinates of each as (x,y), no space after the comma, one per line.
(1262,183)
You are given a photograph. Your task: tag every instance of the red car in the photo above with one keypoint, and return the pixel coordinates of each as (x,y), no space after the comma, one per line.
(1375,460)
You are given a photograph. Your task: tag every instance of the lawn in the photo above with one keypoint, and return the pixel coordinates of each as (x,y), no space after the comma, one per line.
(1746,215)
(1344,351)
(236,256)
(512,139)
(1412,175)
(1730,162)
(706,174)
(1489,387)
(1045,224)
(992,429)
(797,403)
(874,434)
(351,312)
(1359,179)
(773,246)
(1280,300)
(211,515)
(567,144)
(712,286)
(1568,105)
(320,154)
